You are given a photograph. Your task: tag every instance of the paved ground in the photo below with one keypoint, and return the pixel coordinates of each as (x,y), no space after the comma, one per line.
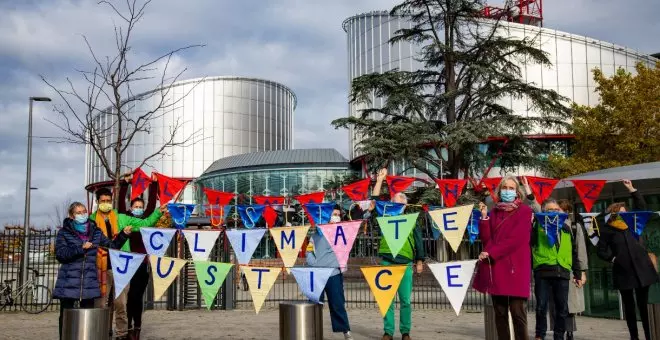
(245,324)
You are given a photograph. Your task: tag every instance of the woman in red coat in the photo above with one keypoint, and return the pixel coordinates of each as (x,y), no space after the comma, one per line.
(505,263)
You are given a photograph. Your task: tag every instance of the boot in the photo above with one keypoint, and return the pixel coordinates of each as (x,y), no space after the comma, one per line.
(136,334)
(131,334)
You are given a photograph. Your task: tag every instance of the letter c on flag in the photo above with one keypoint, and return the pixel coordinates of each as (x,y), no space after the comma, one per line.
(384,271)
(151,240)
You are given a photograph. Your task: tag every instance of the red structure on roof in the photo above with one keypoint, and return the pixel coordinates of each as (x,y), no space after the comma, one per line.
(528,12)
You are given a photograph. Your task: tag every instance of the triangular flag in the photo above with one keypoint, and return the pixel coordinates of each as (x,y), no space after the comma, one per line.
(210,276)
(201,242)
(341,237)
(454,278)
(260,280)
(312,280)
(217,207)
(395,230)
(124,265)
(315,197)
(452,222)
(384,281)
(139,183)
(357,191)
(245,242)
(492,183)
(541,187)
(320,213)
(397,184)
(288,241)
(451,189)
(156,240)
(169,188)
(270,214)
(217,197)
(250,214)
(387,208)
(588,190)
(364,205)
(552,223)
(591,224)
(180,213)
(163,271)
(435,230)
(473,225)
(217,213)
(636,220)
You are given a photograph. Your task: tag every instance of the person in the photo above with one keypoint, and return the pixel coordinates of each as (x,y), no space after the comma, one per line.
(109,221)
(632,270)
(412,252)
(320,254)
(505,262)
(76,249)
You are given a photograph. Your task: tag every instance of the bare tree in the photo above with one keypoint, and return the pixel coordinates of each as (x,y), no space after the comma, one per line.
(60,211)
(104,117)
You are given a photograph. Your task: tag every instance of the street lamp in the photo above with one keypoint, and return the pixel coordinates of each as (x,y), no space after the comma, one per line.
(28,188)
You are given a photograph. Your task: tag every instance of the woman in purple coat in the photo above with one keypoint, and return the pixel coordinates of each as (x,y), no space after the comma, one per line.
(506,261)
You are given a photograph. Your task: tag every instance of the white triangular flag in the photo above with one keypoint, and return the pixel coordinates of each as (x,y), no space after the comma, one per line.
(454,278)
(201,242)
(124,265)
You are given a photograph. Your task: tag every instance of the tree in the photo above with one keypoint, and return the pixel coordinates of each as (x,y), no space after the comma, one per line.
(103,116)
(60,211)
(470,65)
(623,129)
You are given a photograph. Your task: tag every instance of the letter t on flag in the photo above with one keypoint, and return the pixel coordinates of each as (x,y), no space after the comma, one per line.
(541,187)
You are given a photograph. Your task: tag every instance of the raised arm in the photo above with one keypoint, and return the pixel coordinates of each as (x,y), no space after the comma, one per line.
(382,173)
(530,200)
(638,201)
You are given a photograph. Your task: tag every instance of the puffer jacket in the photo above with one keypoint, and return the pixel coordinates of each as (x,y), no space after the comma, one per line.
(77,277)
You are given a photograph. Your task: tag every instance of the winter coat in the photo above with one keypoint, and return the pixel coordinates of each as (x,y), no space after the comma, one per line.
(506,238)
(77,277)
(631,266)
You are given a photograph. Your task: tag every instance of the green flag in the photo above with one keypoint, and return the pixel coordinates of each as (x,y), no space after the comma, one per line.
(396,229)
(210,276)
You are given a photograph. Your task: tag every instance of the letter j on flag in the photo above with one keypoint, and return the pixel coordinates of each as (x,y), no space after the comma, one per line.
(124,265)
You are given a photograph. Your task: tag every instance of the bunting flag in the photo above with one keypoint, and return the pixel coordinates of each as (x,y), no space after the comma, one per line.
(588,190)
(245,242)
(124,265)
(320,213)
(636,220)
(384,281)
(217,197)
(364,205)
(398,184)
(250,214)
(217,209)
(451,189)
(591,224)
(156,240)
(357,191)
(387,208)
(315,197)
(163,272)
(454,278)
(180,213)
(551,222)
(210,276)
(270,215)
(288,241)
(492,183)
(541,187)
(260,280)
(169,188)
(473,226)
(139,183)
(341,237)
(452,222)
(312,280)
(217,213)
(396,229)
(435,230)
(200,243)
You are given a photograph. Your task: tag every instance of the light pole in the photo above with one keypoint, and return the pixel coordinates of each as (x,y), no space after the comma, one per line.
(28,188)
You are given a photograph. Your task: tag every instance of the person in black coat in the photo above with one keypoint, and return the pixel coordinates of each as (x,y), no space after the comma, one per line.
(632,270)
(75,249)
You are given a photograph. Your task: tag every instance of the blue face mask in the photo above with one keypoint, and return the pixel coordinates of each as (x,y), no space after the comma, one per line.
(137,212)
(80,224)
(507,195)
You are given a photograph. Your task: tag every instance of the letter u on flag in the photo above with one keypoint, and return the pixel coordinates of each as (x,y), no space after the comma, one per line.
(157,240)
(452,222)
(312,280)
(386,208)
(384,281)
(200,243)
(169,188)
(551,222)
(288,241)
(180,213)
(163,271)
(124,265)
(454,278)
(260,281)
(210,276)
(636,220)
(396,229)
(139,183)
(341,237)
(320,213)
(250,214)
(245,242)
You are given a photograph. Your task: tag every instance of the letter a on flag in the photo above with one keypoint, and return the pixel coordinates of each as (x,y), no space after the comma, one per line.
(124,265)
(590,223)
(395,230)
(163,271)
(341,237)
(312,280)
(288,241)
(156,240)
(260,281)
(210,276)
(452,222)
(245,242)
(384,281)
(454,278)
(200,243)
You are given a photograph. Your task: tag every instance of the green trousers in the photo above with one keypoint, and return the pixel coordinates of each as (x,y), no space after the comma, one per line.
(405,316)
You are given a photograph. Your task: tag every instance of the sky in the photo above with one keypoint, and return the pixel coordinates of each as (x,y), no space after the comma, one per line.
(299,43)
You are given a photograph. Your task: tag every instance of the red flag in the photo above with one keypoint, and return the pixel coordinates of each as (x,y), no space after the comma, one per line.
(492,184)
(451,189)
(588,190)
(139,183)
(315,197)
(270,215)
(357,191)
(398,183)
(217,202)
(169,188)
(541,187)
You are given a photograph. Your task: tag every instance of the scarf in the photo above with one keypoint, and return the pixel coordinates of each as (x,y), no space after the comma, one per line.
(102,255)
(84,233)
(508,206)
(618,223)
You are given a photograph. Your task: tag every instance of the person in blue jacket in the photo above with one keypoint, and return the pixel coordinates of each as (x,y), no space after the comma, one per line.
(76,247)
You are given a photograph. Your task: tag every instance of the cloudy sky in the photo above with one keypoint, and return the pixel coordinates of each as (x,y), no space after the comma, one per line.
(299,43)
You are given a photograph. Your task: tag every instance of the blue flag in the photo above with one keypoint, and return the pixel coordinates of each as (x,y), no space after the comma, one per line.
(180,213)
(245,242)
(551,222)
(124,265)
(473,226)
(250,214)
(387,208)
(213,211)
(435,230)
(312,280)
(320,212)
(156,240)
(636,220)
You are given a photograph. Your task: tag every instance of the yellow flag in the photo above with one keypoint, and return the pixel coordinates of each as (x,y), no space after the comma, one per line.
(163,271)
(260,281)
(288,241)
(384,282)
(452,222)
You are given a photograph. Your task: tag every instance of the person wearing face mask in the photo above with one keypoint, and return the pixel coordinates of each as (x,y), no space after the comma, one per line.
(139,281)
(505,262)
(76,248)
(320,254)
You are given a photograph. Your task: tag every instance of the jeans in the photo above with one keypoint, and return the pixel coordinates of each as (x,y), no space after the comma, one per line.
(502,305)
(628,299)
(557,290)
(69,304)
(405,316)
(135,303)
(334,288)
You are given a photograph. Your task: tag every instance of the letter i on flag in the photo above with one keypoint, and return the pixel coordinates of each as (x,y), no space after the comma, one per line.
(491,184)
(245,242)
(200,243)
(124,265)
(636,220)
(395,230)
(288,241)
(157,240)
(384,281)
(452,222)
(260,281)
(454,278)
(163,271)
(210,276)
(320,213)
(312,280)
(341,237)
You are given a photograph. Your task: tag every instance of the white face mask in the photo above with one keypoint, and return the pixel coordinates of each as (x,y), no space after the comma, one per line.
(335,219)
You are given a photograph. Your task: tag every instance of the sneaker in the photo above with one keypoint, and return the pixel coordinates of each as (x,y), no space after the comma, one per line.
(348,336)
(387,337)
(405,336)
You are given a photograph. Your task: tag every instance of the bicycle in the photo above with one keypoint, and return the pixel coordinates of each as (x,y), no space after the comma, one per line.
(34,298)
